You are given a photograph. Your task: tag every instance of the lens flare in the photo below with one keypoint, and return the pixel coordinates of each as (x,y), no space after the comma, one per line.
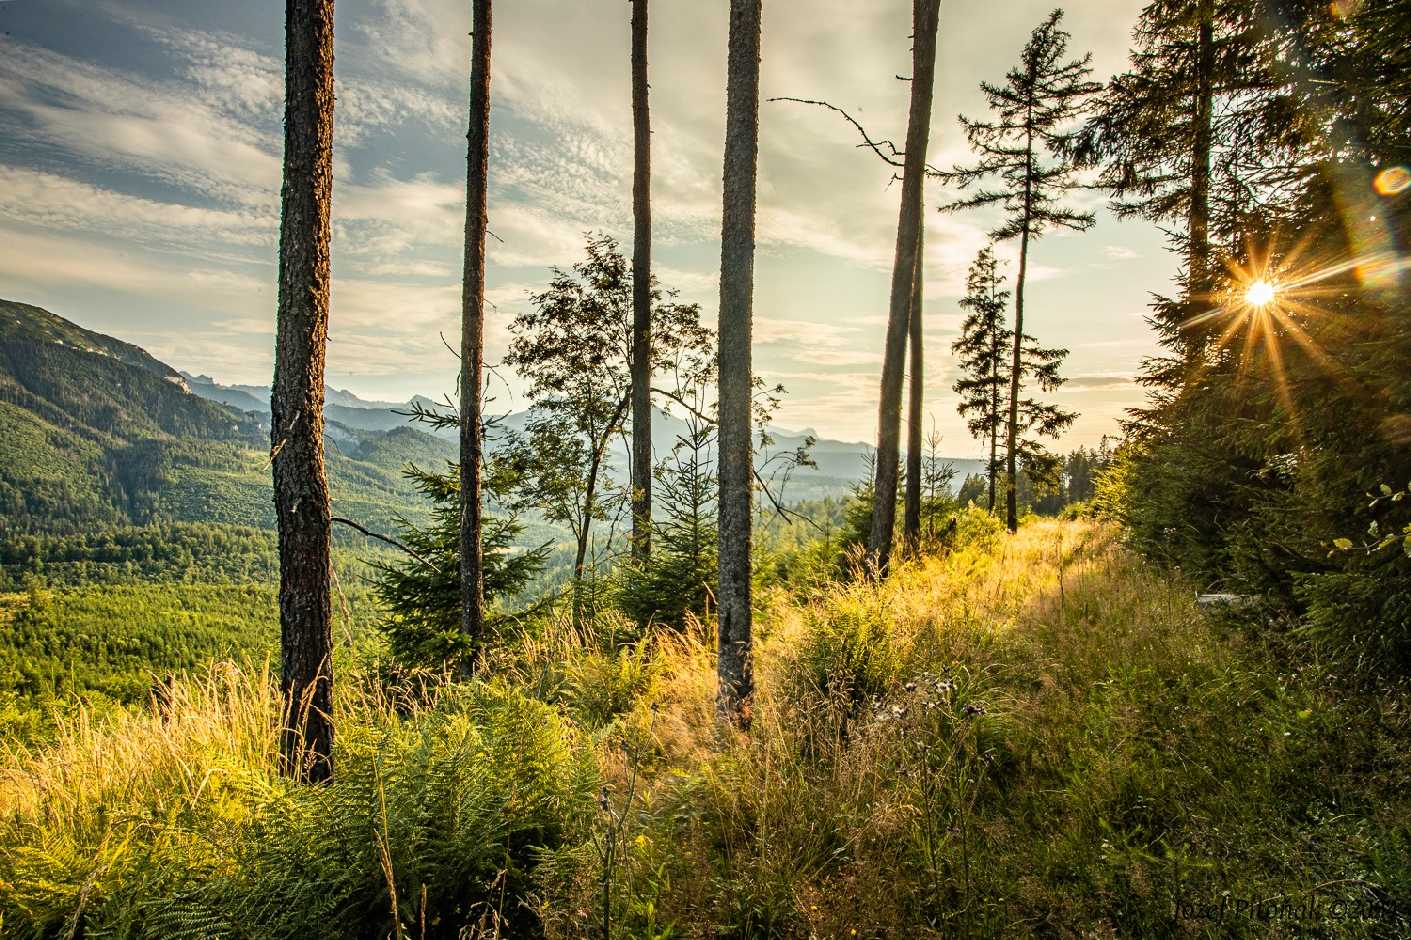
(1392,180)
(1259,294)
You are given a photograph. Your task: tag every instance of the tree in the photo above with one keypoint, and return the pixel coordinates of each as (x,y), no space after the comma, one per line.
(937,475)
(1033,109)
(641,290)
(473,327)
(296,400)
(421,594)
(734,665)
(981,348)
(574,348)
(925,21)
(915,482)
(679,577)
(985,372)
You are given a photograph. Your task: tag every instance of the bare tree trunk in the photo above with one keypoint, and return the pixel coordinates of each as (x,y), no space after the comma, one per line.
(925,16)
(590,499)
(911,521)
(1199,247)
(737,239)
(641,291)
(473,325)
(994,422)
(296,401)
(1011,498)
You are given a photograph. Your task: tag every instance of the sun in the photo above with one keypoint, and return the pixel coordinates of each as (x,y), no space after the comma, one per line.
(1259,293)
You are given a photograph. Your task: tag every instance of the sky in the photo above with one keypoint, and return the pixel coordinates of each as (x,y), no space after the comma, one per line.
(141,144)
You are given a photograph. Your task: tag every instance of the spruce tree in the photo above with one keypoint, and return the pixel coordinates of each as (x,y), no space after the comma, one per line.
(981,348)
(1033,116)
(986,372)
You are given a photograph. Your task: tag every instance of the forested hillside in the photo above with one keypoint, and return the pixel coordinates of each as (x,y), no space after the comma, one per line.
(100,433)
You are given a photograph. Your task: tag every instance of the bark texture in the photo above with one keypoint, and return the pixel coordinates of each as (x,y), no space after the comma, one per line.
(473,325)
(1199,221)
(296,400)
(641,290)
(925,16)
(911,519)
(737,242)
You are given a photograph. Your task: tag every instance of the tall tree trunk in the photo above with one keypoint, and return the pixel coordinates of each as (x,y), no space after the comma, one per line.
(925,15)
(994,423)
(473,325)
(737,240)
(1198,251)
(296,401)
(1011,498)
(911,520)
(641,291)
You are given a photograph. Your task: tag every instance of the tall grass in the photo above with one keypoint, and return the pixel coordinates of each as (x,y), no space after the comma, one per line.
(1035,734)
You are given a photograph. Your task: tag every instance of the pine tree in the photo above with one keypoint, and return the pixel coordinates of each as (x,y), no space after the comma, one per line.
(1033,113)
(296,400)
(925,18)
(678,579)
(421,594)
(737,242)
(641,290)
(986,372)
(472,349)
(981,349)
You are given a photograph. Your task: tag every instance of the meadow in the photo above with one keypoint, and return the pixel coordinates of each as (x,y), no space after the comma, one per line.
(1038,734)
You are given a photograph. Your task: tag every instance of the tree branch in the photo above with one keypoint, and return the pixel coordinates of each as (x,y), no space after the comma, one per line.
(892,155)
(384,538)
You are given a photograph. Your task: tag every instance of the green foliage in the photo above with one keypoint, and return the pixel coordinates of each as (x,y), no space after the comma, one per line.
(679,578)
(434,824)
(421,593)
(1267,423)
(119,641)
(844,660)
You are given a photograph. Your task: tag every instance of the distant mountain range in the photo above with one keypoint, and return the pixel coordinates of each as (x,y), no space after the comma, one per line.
(839,463)
(97,431)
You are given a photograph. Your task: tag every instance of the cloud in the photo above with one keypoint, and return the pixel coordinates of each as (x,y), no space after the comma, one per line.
(1119,253)
(1100,383)
(50,201)
(115,121)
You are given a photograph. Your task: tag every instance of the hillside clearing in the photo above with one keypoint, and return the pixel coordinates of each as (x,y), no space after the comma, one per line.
(1037,734)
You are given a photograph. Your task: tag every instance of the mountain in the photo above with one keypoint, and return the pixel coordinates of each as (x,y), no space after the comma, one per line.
(98,432)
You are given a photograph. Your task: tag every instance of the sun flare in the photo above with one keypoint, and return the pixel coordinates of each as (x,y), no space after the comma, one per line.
(1260,293)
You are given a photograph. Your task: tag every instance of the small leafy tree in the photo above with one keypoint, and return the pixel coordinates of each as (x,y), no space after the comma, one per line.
(574,347)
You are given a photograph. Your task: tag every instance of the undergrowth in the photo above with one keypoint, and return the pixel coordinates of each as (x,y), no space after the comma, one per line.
(1036,734)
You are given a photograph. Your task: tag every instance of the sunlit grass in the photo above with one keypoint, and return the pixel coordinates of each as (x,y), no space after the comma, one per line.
(1028,733)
